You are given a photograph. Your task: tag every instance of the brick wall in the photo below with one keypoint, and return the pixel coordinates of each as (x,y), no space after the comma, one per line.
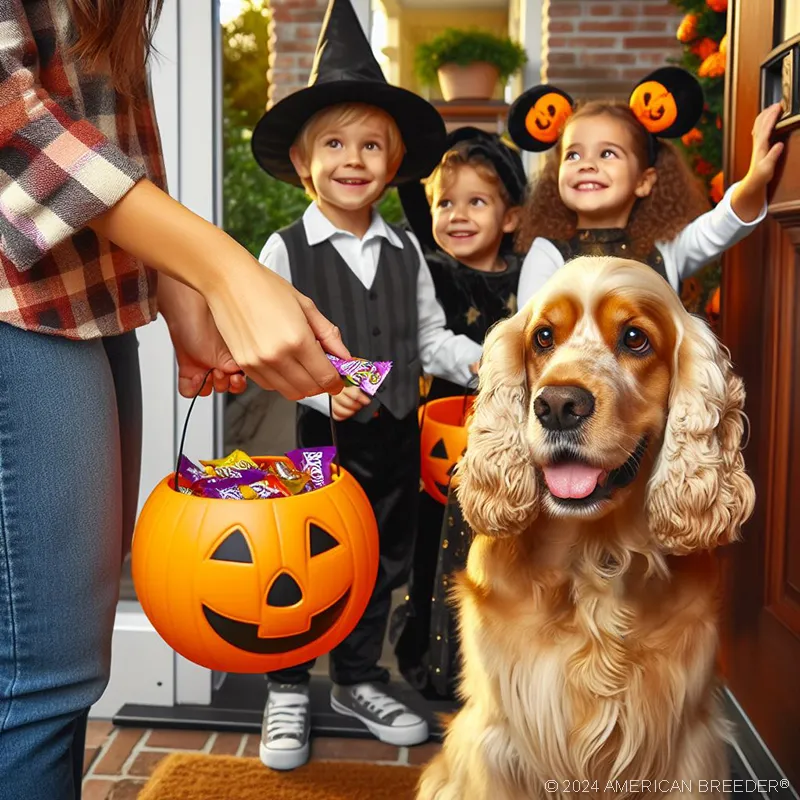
(590,47)
(294,30)
(597,48)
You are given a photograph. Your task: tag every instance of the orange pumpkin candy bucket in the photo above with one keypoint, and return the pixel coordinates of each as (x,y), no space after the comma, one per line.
(443,440)
(255,585)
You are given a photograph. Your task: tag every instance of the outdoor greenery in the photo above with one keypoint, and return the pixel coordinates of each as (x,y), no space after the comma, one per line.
(245,54)
(255,205)
(702,32)
(463,47)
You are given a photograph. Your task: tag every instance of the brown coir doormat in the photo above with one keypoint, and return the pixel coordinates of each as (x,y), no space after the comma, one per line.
(201,777)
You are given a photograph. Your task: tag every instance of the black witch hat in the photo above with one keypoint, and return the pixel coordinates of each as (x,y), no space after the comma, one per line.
(345,71)
(505,160)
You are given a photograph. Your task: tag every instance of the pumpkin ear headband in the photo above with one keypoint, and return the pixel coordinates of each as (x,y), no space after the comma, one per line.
(668,103)
(537,117)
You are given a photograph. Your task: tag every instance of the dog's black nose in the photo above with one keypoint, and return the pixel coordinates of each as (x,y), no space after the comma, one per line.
(563,408)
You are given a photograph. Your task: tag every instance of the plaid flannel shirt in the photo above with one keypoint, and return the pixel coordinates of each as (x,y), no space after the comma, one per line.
(69,150)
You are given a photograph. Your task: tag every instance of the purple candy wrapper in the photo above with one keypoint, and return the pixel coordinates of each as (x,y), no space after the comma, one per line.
(191,471)
(242,474)
(367,375)
(316,461)
(233,489)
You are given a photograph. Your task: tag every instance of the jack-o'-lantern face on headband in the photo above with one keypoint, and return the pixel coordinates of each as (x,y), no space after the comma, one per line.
(538,116)
(668,102)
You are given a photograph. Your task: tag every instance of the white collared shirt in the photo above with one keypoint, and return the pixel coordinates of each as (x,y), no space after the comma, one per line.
(699,243)
(442,353)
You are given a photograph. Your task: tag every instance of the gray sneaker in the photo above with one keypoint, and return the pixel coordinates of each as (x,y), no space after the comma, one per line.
(286,727)
(386,718)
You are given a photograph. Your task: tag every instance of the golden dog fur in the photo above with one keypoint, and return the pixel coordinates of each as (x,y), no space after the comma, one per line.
(589,632)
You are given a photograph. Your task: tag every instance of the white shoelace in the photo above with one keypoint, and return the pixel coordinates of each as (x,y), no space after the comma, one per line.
(378,702)
(286,715)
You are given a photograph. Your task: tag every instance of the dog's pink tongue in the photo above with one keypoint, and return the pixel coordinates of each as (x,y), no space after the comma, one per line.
(571,480)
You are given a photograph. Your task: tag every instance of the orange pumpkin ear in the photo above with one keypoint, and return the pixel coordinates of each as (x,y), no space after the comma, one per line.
(668,102)
(537,117)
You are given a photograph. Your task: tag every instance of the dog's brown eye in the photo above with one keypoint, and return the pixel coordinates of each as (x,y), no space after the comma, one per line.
(543,338)
(636,341)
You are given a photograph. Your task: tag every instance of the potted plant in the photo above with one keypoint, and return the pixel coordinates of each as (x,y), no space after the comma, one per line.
(468,63)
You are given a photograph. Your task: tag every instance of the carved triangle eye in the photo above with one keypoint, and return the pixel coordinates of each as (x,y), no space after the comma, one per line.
(321,540)
(233,548)
(439,450)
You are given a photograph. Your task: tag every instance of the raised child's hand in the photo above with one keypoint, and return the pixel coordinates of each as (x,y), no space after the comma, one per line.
(750,195)
(349,402)
(764,158)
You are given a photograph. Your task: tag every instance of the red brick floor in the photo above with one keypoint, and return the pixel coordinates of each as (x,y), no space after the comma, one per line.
(119,760)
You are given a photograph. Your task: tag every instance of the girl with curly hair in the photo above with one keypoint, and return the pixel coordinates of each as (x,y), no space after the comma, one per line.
(613,186)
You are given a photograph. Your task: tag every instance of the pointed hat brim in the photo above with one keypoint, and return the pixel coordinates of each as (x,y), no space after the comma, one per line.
(421,126)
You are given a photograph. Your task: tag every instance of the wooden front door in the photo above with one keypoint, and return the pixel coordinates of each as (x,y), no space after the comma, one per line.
(761,325)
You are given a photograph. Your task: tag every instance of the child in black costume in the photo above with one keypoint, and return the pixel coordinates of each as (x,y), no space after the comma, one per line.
(465,218)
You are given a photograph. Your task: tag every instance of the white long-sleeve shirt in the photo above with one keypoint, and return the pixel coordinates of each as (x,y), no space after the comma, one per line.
(700,242)
(442,353)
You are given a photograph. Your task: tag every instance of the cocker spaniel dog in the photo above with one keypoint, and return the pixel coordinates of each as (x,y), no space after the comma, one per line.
(603,465)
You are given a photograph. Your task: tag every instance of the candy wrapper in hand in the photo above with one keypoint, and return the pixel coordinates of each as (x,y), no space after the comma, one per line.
(367,375)
(316,461)
(293,479)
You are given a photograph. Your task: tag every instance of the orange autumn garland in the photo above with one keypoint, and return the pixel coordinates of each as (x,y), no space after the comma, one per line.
(702,33)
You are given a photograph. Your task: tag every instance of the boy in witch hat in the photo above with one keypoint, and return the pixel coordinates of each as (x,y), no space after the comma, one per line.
(346,137)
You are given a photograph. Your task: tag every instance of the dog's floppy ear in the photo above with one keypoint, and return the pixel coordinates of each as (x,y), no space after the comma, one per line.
(699,494)
(496,483)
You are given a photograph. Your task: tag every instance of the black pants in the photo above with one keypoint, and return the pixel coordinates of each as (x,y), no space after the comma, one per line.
(412,620)
(383,456)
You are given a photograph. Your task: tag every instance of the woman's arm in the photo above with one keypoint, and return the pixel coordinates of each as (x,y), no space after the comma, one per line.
(274,333)
(60,174)
(57,171)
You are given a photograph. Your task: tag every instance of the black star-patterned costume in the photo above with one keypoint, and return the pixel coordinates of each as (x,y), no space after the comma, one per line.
(473,301)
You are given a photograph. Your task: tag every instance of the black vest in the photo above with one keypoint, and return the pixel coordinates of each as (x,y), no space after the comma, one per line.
(379,323)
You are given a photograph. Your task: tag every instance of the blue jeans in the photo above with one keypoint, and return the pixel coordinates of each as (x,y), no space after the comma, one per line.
(70,452)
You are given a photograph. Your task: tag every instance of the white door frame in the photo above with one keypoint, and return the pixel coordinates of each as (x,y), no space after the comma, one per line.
(186,84)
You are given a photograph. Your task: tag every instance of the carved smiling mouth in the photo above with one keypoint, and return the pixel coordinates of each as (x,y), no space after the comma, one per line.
(244,635)
(656,115)
(542,126)
(573,483)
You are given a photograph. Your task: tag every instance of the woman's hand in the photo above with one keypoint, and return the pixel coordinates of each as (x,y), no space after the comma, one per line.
(198,345)
(275,334)
(750,195)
